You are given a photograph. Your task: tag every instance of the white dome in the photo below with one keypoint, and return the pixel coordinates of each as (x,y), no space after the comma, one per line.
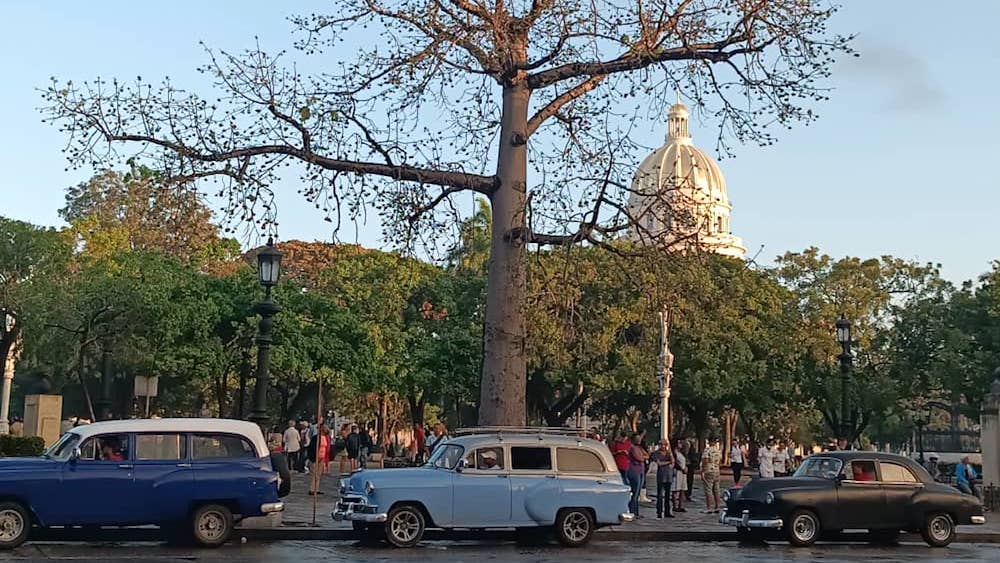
(679,193)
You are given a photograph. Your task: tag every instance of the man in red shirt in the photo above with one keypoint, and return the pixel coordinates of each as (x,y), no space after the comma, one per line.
(419,440)
(620,449)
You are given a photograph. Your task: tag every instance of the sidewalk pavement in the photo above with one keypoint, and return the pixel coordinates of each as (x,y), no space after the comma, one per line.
(693,525)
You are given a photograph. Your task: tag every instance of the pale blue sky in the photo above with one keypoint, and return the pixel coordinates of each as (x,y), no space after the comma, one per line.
(897,164)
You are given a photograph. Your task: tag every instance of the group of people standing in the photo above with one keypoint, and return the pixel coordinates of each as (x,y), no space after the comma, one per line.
(309,448)
(775,459)
(676,468)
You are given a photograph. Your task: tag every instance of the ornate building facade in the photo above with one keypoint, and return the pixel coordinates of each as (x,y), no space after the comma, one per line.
(679,197)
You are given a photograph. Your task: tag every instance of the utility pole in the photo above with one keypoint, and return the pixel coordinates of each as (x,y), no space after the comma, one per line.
(665,372)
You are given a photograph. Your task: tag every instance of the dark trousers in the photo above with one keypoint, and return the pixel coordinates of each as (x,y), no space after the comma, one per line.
(663,504)
(690,478)
(737,471)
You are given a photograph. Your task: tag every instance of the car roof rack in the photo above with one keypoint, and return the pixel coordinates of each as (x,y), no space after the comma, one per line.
(539,430)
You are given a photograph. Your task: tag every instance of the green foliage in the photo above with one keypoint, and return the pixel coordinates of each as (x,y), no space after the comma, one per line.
(21,446)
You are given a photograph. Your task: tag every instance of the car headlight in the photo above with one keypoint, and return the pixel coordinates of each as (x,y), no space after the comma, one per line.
(725,495)
(769,498)
(369,487)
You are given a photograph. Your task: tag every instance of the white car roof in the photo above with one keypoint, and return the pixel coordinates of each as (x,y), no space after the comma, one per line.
(227,426)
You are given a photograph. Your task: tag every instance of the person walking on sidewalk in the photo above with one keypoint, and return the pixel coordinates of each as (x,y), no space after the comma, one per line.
(664,460)
(766,456)
(619,449)
(678,487)
(694,466)
(643,497)
(710,475)
(293,445)
(636,470)
(737,455)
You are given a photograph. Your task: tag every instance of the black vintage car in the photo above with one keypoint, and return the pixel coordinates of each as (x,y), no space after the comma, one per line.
(837,491)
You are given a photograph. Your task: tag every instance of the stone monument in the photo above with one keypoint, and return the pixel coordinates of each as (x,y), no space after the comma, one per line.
(42,412)
(989,420)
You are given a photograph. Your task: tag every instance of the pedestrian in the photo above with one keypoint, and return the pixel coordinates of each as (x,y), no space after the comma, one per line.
(766,456)
(439,435)
(791,464)
(932,467)
(679,486)
(643,496)
(353,445)
(965,479)
(319,452)
(339,449)
(366,446)
(304,442)
(636,470)
(418,443)
(693,466)
(293,445)
(664,460)
(711,458)
(842,444)
(17,427)
(780,460)
(619,449)
(736,457)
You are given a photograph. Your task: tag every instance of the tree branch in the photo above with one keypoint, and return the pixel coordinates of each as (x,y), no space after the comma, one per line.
(555,105)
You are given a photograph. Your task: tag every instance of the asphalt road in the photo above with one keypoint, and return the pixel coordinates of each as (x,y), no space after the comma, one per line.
(458,552)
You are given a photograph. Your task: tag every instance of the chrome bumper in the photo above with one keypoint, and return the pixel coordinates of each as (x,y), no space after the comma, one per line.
(358,512)
(271,507)
(626,517)
(744,521)
(978,519)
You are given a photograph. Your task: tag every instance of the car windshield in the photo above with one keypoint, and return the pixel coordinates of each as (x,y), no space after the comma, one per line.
(446,457)
(63,448)
(822,467)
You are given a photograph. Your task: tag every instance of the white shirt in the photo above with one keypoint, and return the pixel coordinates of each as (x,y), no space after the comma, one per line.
(736,454)
(766,456)
(780,460)
(291,439)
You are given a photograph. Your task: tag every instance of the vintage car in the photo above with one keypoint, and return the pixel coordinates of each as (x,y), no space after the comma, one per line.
(195,477)
(533,480)
(836,491)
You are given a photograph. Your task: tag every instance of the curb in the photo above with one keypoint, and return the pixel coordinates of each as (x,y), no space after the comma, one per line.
(290,533)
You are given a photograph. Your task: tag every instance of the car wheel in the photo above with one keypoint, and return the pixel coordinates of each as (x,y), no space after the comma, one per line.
(280,464)
(939,530)
(212,525)
(884,537)
(574,527)
(802,528)
(404,526)
(15,524)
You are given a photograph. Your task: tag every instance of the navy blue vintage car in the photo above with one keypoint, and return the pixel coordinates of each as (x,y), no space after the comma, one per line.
(533,480)
(836,491)
(195,477)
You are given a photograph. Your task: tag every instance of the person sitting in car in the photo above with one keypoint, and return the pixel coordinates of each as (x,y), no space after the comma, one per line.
(111,450)
(488,460)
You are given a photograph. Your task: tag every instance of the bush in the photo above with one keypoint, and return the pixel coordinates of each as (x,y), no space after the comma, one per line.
(21,446)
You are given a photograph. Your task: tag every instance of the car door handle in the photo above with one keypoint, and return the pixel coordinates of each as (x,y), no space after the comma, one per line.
(183,465)
(502,476)
(550,476)
(125,466)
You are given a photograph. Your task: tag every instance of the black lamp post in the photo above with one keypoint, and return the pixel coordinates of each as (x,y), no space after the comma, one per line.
(268,270)
(921,423)
(844,337)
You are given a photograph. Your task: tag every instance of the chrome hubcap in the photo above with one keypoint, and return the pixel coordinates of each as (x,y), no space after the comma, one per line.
(405,527)
(212,525)
(576,526)
(11,525)
(940,528)
(804,528)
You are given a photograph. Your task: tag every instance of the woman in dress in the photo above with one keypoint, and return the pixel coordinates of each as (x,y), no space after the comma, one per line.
(679,486)
(321,460)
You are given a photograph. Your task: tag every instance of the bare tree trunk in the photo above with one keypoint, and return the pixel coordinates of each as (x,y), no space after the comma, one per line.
(502,394)
(81,373)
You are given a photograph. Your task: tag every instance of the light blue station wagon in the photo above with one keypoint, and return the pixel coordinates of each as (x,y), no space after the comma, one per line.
(527,479)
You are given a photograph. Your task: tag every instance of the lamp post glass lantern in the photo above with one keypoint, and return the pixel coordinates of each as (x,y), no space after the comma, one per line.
(844,338)
(268,271)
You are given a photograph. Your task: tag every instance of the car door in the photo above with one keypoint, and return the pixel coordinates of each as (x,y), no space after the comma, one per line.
(860,502)
(899,486)
(226,467)
(97,486)
(481,491)
(164,480)
(534,486)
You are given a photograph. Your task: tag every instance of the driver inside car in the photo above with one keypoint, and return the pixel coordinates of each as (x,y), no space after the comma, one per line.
(488,460)
(111,450)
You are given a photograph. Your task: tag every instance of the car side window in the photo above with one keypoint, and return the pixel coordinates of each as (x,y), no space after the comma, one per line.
(107,447)
(862,470)
(530,459)
(577,460)
(160,447)
(221,446)
(487,459)
(896,473)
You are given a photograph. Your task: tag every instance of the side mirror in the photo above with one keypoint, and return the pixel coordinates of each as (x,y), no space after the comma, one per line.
(840,479)
(75,455)
(463,464)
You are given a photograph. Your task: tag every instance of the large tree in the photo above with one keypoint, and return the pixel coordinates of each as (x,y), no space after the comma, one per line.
(448,96)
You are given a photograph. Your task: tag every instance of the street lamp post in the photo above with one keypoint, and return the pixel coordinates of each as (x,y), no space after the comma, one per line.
(921,423)
(844,338)
(665,373)
(268,271)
